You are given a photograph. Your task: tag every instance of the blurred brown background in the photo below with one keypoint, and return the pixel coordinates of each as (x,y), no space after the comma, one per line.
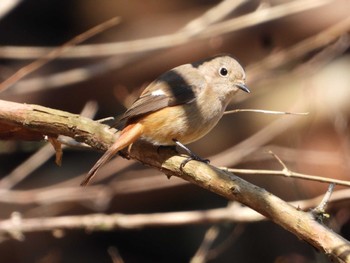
(315,79)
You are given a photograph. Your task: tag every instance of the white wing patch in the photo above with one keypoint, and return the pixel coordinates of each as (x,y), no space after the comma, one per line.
(158,92)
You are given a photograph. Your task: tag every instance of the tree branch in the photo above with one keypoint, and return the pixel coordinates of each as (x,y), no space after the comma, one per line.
(36,121)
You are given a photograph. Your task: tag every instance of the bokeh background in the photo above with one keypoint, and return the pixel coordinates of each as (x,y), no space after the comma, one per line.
(296,54)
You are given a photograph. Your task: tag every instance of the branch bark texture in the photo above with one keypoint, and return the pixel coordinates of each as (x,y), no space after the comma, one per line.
(20,121)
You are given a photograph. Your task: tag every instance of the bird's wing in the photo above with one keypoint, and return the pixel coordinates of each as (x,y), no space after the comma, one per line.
(169,89)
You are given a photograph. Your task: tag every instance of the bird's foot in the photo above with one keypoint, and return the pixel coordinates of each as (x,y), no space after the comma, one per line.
(192,155)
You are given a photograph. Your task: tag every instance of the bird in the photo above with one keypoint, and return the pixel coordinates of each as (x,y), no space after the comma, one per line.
(179,107)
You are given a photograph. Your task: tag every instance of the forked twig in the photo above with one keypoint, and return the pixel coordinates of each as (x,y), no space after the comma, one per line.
(288,173)
(26,70)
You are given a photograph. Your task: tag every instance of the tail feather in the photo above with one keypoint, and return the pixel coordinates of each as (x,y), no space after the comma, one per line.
(128,135)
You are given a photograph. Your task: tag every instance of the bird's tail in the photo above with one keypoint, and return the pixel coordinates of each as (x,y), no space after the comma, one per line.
(127,136)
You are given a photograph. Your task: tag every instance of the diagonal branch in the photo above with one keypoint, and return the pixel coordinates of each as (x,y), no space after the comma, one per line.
(36,121)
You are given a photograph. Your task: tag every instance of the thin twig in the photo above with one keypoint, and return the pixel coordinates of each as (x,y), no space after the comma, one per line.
(224,245)
(323,57)
(236,153)
(288,173)
(298,50)
(214,14)
(235,213)
(321,208)
(266,112)
(263,15)
(209,238)
(26,70)
(285,168)
(291,174)
(103,222)
(289,154)
(115,255)
(77,75)
(174,39)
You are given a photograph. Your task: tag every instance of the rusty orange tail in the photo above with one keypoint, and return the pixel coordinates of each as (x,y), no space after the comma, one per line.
(127,136)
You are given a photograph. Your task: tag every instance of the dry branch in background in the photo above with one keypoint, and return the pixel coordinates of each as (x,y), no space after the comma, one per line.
(35,65)
(205,30)
(140,47)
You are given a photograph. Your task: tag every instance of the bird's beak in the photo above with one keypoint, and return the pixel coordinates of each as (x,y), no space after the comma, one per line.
(242,87)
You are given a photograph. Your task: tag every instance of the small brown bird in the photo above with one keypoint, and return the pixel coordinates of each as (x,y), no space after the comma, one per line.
(179,107)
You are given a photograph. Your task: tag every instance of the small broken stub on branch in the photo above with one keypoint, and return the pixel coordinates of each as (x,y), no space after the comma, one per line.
(57,147)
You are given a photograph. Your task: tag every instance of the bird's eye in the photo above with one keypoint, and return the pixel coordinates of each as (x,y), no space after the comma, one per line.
(223,72)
